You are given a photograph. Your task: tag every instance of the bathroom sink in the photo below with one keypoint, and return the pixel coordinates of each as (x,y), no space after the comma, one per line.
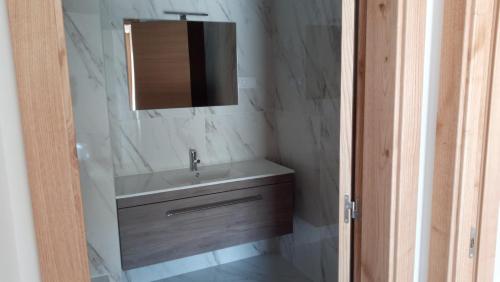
(203,175)
(162,181)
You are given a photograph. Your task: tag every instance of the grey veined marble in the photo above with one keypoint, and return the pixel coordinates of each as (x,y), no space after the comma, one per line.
(157,140)
(86,69)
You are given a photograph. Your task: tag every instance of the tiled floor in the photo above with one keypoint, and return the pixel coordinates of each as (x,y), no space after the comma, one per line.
(100,279)
(257,269)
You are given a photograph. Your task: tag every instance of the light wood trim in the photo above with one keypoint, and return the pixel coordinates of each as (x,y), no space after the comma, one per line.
(446,137)
(473,134)
(40,58)
(460,136)
(346,130)
(391,138)
(490,201)
(407,138)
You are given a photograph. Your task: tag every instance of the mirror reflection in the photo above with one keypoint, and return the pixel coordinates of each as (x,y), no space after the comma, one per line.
(178,64)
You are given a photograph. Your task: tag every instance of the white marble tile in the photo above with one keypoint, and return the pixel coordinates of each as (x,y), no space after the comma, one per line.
(250,16)
(130,130)
(239,137)
(158,144)
(201,261)
(306,73)
(144,146)
(81,7)
(93,140)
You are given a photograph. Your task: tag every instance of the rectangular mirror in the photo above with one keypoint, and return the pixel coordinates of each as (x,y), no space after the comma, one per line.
(178,64)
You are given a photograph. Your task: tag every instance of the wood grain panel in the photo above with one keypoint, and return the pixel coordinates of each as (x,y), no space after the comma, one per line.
(473,134)
(490,202)
(148,235)
(452,49)
(392,115)
(40,58)
(409,93)
(461,136)
(378,118)
(346,133)
(161,73)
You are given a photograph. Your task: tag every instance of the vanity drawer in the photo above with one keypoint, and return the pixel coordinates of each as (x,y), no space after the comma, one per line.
(169,230)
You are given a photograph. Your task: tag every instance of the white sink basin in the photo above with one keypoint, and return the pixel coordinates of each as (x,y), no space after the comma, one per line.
(203,175)
(146,184)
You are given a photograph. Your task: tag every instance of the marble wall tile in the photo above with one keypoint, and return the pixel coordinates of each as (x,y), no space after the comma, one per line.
(140,149)
(252,39)
(231,138)
(306,82)
(143,146)
(86,67)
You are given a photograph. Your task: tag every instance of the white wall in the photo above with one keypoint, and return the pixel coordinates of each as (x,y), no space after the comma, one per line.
(18,256)
(428,135)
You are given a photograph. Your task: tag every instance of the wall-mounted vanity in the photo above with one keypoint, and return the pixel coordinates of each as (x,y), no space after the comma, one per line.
(174,214)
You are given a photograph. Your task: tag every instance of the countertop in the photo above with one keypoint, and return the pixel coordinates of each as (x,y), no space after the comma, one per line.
(164,181)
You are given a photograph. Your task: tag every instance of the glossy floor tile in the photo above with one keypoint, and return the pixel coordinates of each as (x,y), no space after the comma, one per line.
(267,268)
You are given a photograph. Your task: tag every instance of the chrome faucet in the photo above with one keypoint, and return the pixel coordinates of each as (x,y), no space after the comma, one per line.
(193,160)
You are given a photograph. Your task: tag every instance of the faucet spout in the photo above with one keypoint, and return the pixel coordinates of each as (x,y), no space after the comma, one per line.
(193,160)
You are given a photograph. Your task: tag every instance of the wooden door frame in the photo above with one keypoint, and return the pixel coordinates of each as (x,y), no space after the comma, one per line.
(390,67)
(41,65)
(467,153)
(490,200)
(388,121)
(346,132)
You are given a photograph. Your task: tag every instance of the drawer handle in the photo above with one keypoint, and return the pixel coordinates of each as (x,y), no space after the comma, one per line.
(214,205)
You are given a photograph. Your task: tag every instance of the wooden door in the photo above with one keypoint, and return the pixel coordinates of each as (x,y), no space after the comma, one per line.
(465,189)
(40,58)
(388,103)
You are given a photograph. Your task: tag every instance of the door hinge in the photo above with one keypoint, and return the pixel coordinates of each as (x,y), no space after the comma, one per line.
(473,242)
(351,210)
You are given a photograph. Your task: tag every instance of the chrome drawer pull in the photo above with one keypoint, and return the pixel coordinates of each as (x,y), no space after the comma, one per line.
(214,205)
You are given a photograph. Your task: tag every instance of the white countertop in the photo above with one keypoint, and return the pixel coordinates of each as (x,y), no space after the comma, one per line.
(163,181)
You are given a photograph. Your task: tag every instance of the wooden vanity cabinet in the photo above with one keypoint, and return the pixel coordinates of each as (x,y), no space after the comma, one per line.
(218,217)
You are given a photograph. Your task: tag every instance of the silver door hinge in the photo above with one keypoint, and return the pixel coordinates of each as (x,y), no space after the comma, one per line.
(351,210)
(473,242)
